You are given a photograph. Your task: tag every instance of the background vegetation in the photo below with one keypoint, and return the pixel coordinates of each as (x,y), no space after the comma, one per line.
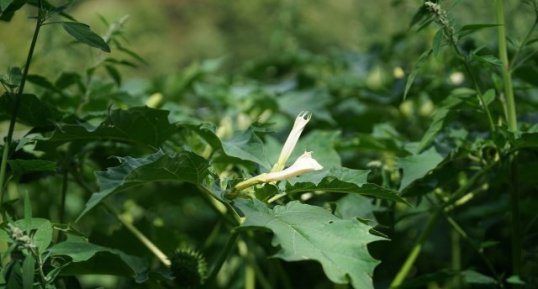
(133,137)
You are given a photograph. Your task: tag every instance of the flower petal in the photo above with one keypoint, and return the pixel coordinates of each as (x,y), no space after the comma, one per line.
(300,123)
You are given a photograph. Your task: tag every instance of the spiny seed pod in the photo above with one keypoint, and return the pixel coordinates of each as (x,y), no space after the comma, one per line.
(189,268)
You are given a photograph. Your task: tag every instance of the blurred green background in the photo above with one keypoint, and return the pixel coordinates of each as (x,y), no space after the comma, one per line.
(172,34)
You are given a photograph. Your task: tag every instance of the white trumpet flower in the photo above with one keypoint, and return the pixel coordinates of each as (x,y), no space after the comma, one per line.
(304,164)
(300,122)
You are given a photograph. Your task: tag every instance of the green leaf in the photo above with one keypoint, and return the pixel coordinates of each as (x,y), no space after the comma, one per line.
(42,228)
(417,166)
(515,279)
(321,144)
(314,100)
(4,4)
(469,29)
(527,140)
(247,146)
(32,111)
(416,68)
(21,167)
(437,42)
(377,143)
(304,232)
(340,180)
(140,125)
(440,114)
(132,54)
(473,277)
(9,7)
(355,206)
(83,33)
(14,276)
(41,81)
(490,59)
(132,172)
(79,249)
(28,269)
(67,79)
(488,96)
(114,73)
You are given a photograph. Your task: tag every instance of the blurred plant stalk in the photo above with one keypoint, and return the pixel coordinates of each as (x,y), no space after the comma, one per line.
(511,116)
(41,15)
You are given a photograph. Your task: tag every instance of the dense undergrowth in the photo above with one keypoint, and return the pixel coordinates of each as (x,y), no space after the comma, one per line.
(410,166)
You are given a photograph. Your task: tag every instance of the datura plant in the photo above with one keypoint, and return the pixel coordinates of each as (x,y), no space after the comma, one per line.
(304,164)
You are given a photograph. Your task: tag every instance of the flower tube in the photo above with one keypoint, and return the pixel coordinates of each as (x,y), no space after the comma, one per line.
(304,164)
(300,122)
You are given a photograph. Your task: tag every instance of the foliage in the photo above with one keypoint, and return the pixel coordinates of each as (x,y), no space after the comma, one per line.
(387,181)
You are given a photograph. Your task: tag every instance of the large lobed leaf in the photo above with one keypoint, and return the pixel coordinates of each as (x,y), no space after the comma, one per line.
(305,232)
(184,167)
(141,125)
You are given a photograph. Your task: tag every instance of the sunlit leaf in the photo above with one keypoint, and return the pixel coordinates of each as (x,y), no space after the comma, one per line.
(417,166)
(303,232)
(248,146)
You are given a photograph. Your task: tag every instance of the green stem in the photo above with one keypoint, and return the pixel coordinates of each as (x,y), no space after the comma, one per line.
(262,279)
(456,258)
(458,229)
(128,225)
(453,41)
(226,251)
(15,111)
(480,96)
(285,281)
(406,267)
(514,206)
(507,77)
(139,235)
(250,277)
(417,248)
(63,195)
(221,207)
(515,59)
